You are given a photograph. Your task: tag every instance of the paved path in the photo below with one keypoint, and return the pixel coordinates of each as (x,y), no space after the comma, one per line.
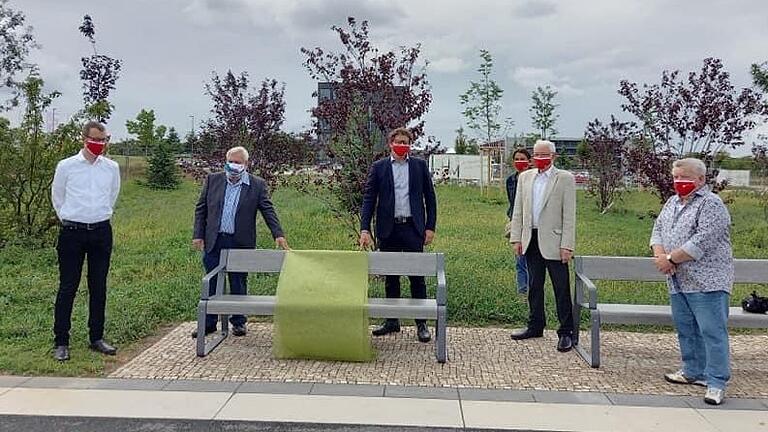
(484,358)
(28,401)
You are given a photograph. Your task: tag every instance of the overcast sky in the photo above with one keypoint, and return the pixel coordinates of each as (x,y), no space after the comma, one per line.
(582,48)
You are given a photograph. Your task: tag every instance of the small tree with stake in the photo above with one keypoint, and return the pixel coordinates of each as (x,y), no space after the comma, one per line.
(605,146)
(99,74)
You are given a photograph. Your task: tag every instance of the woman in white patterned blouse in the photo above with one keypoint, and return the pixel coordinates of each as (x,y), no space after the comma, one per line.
(692,246)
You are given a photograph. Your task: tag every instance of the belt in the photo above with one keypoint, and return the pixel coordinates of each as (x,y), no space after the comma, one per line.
(403,220)
(84,226)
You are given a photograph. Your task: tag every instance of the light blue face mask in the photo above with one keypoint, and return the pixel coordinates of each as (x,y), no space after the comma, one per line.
(234,169)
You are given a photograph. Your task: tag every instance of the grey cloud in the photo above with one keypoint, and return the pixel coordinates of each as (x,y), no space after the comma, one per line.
(225,6)
(584,50)
(534,9)
(322,15)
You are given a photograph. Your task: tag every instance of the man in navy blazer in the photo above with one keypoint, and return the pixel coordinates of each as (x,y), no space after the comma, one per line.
(400,190)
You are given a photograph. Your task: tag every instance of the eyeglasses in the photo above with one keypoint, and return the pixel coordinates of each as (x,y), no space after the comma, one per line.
(98,139)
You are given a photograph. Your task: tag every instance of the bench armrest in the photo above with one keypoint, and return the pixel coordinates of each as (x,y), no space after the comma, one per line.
(442,291)
(207,280)
(581,282)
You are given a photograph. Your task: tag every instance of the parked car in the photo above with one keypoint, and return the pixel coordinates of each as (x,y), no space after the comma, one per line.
(581,177)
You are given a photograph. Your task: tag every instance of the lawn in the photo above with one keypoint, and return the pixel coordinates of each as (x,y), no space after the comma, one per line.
(154,279)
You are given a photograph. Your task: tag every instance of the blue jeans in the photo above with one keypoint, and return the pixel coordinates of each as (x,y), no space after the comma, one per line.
(237,281)
(522,275)
(701,320)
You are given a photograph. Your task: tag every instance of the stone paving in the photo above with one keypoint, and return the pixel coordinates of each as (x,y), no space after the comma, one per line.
(478,358)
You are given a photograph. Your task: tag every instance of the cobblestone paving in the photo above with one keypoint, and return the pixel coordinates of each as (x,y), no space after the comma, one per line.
(478,357)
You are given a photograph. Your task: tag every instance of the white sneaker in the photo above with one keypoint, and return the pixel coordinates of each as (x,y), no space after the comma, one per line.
(680,378)
(714,396)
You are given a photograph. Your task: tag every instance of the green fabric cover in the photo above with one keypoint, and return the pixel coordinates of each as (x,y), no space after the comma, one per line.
(322,308)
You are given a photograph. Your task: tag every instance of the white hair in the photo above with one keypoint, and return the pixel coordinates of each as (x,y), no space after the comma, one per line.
(238,150)
(549,144)
(691,166)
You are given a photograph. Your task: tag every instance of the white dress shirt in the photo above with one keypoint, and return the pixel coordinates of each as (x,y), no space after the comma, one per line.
(85,192)
(539,187)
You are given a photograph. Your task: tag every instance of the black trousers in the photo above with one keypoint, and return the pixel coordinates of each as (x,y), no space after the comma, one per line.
(73,247)
(404,238)
(238,282)
(560,277)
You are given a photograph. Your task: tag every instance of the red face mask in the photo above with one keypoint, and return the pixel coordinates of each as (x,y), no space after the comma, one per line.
(401,149)
(95,147)
(521,165)
(684,187)
(542,163)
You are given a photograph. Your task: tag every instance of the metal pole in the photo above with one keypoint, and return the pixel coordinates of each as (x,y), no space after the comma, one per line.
(192,144)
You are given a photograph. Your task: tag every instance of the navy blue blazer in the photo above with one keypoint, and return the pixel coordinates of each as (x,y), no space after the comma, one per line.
(380,195)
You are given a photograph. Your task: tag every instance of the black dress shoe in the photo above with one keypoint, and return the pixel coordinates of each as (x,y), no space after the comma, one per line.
(525,333)
(103,347)
(61,353)
(239,330)
(564,343)
(423,332)
(390,326)
(207,332)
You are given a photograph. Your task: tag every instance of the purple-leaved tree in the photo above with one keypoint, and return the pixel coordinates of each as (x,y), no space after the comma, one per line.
(697,115)
(373,92)
(248,118)
(605,144)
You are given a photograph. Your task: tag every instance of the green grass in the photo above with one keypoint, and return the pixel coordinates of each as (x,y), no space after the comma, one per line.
(155,275)
(131,167)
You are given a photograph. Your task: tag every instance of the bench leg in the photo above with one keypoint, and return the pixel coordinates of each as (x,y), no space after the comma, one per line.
(441,336)
(576,320)
(203,348)
(593,357)
(200,342)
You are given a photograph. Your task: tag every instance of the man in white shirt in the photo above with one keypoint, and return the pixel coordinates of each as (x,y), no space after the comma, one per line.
(84,190)
(543,229)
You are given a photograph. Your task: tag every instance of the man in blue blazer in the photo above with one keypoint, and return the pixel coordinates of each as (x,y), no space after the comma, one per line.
(400,190)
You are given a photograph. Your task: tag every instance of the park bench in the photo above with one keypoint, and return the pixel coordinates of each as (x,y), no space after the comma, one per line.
(271,261)
(593,268)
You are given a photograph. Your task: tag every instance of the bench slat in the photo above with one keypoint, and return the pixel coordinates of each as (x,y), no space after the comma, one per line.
(662,315)
(377,307)
(642,269)
(379,263)
(402,308)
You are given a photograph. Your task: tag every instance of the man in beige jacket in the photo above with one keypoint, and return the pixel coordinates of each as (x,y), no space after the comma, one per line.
(543,230)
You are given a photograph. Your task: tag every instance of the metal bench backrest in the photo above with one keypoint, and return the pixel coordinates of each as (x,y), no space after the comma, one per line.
(643,270)
(379,263)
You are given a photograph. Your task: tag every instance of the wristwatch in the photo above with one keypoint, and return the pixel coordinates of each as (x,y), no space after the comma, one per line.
(669,258)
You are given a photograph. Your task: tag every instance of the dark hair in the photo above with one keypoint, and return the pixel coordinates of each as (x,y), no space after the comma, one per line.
(523,151)
(92,125)
(400,131)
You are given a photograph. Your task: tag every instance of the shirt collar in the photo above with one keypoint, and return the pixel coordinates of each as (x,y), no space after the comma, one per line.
(393,160)
(548,172)
(81,158)
(698,192)
(244,179)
